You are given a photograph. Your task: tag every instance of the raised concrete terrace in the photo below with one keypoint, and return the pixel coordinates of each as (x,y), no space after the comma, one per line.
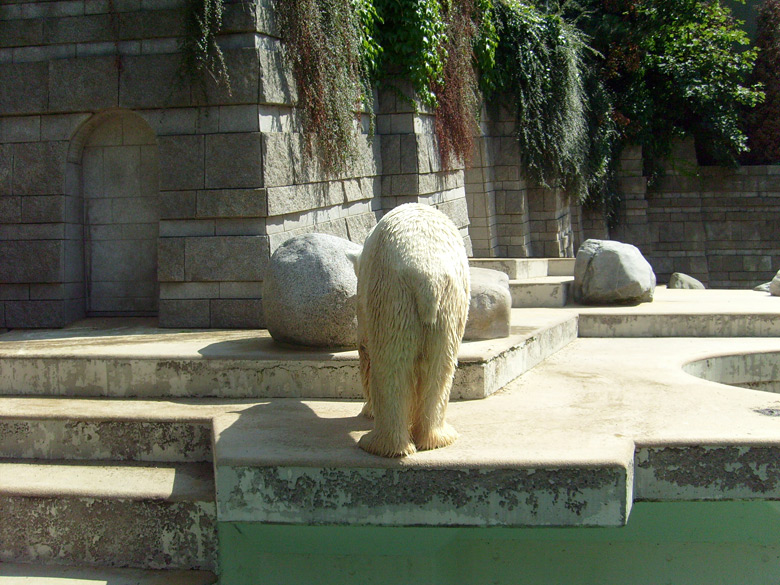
(118,427)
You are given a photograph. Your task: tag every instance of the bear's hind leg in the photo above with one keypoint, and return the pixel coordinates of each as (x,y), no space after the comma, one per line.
(365,373)
(430,430)
(391,393)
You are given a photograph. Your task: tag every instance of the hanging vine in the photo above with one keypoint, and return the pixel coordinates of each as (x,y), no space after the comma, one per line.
(331,51)
(201,55)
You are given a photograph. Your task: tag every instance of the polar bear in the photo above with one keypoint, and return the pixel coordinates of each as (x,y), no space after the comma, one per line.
(412,305)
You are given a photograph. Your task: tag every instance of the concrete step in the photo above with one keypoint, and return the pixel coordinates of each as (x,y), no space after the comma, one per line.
(541,292)
(514,268)
(147,362)
(521,268)
(160,516)
(32,574)
(116,430)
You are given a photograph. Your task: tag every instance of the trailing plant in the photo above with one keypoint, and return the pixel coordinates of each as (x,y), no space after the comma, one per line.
(413,36)
(201,55)
(539,63)
(457,103)
(331,49)
(764,120)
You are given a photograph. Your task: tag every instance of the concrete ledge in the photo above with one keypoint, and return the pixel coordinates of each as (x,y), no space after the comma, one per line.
(686,313)
(89,359)
(541,292)
(156,517)
(16,574)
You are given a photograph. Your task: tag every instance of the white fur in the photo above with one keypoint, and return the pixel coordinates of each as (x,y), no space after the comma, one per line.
(412,305)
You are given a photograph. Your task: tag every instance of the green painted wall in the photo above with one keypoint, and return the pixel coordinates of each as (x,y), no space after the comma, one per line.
(734,543)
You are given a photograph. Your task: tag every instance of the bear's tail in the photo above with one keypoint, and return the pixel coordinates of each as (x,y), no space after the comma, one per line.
(427,296)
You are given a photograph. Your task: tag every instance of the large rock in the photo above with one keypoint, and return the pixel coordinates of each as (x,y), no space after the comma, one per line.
(309,292)
(490,306)
(608,272)
(682,280)
(774,286)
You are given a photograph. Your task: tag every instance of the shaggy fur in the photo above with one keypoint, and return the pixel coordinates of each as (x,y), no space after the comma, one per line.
(412,305)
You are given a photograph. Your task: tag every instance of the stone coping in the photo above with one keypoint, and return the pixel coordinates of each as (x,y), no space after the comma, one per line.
(106,480)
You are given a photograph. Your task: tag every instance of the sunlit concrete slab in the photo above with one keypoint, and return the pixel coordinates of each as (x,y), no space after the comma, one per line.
(134,358)
(575,441)
(686,313)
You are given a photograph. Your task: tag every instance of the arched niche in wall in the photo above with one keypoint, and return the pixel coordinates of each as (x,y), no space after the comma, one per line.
(114,164)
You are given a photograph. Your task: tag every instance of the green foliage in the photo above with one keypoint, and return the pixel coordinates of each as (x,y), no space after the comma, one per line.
(764,120)
(674,69)
(331,45)
(539,64)
(413,37)
(201,54)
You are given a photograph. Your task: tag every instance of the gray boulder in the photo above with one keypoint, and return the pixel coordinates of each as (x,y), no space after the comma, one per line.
(608,272)
(309,292)
(774,286)
(490,306)
(682,280)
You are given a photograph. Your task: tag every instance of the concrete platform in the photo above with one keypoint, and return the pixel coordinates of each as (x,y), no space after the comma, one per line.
(686,313)
(108,514)
(573,442)
(134,358)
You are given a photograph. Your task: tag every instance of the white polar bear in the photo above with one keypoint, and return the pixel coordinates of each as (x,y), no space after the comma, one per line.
(412,305)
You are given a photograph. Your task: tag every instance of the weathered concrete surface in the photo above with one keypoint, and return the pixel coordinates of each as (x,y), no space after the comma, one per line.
(757,371)
(686,313)
(25,574)
(601,432)
(541,292)
(116,440)
(143,361)
(159,517)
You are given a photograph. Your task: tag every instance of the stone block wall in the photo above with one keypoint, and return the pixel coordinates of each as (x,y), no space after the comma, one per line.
(510,215)
(225,175)
(716,224)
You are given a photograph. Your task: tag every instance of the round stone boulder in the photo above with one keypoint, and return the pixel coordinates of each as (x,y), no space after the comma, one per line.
(610,272)
(490,306)
(682,280)
(774,285)
(309,292)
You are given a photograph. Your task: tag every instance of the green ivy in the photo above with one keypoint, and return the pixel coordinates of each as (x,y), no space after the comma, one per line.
(413,38)
(764,120)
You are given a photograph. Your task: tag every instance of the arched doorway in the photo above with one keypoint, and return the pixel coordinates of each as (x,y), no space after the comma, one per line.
(120,187)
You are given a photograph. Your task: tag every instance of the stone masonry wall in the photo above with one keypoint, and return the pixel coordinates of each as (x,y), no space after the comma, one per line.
(510,215)
(716,224)
(224,172)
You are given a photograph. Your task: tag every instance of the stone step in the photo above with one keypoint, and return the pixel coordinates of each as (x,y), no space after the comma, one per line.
(147,362)
(116,430)
(521,268)
(514,268)
(159,516)
(541,292)
(33,574)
